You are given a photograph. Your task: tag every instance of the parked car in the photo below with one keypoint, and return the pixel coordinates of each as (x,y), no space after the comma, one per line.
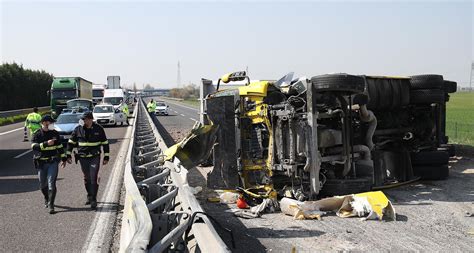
(65,124)
(106,114)
(162,108)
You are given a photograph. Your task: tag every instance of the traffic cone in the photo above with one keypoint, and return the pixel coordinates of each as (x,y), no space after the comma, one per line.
(25,136)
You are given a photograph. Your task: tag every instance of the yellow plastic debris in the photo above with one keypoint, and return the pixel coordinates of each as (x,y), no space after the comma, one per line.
(370,205)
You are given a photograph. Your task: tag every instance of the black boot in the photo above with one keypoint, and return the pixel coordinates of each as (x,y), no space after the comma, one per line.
(45,194)
(51,196)
(94,189)
(89,195)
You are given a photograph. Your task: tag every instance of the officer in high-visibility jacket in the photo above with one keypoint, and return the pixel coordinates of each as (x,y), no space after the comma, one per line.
(32,122)
(125,111)
(47,152)
(151,107)
(88,137)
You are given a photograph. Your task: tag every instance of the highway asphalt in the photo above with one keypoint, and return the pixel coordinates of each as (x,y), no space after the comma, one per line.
(25,223)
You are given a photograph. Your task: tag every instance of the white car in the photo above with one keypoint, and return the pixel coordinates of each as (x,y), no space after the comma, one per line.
(161,108)
(105,114)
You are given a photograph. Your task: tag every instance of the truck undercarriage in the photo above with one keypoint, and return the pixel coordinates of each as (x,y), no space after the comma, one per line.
(329,135)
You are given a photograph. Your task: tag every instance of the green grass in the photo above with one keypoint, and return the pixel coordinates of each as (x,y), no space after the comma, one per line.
(191,102)
(460,118)
(17,118)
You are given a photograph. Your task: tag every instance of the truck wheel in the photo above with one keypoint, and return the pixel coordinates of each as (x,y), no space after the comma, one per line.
(339,83)
(450,86)
(438,172)
(430,158)
(421,82)
(427,96)
(338,187)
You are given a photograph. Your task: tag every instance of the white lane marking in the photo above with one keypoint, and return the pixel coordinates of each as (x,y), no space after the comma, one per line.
(182,115)
(22,154)
(11,131)
(101,225)
(192,119)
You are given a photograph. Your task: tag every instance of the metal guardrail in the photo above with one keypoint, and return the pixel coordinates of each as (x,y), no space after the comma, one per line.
(157,193)
(4,114)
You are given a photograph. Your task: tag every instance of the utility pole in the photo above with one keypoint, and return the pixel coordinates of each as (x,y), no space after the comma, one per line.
(179,75)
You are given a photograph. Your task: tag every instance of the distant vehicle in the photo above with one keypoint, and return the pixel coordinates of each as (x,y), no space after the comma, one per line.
(106,114)
(113,82)
(162,108)
(98,93)
(79,105)
(65,124)
(67,88)
(114,96)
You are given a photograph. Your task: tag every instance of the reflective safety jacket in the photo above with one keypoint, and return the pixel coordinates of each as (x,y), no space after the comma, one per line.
(151,106)
(42,151)
(33,121)
(125,109)
(88,142)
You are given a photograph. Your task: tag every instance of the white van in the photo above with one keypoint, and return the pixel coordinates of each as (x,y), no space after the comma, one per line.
(113,97)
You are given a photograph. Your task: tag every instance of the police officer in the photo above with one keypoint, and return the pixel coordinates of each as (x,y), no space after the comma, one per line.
(32,123)
(151,106)
(125,111)
(47,152)
(89,137)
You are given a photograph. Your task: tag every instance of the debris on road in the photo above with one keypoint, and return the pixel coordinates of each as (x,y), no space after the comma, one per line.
(267,206)
(370,205)
(229,197)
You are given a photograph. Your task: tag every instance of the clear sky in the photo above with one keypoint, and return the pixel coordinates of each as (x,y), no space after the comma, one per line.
(143,41)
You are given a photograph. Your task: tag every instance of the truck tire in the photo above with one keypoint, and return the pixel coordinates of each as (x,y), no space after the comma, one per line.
(450,86)
(430,158)
(387,93)
(436,172)
(338,187)
(418,97)
(339,83)
(421,82)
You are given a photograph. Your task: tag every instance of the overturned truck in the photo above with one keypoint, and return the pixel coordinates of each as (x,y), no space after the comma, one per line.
(328,135)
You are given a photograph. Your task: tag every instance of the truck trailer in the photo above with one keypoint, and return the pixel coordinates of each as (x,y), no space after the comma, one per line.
(113,82)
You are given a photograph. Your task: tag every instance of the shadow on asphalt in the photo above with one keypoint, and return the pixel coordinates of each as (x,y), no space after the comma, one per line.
(18,185)
(102,207)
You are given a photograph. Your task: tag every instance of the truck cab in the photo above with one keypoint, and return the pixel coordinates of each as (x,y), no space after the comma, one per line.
(64,89)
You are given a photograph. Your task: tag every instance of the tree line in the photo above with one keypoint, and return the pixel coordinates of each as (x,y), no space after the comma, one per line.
(187,92)
(23,88)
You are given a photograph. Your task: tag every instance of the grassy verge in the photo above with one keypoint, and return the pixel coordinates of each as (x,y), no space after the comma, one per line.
(191,102)
(460,118)
(17,118)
